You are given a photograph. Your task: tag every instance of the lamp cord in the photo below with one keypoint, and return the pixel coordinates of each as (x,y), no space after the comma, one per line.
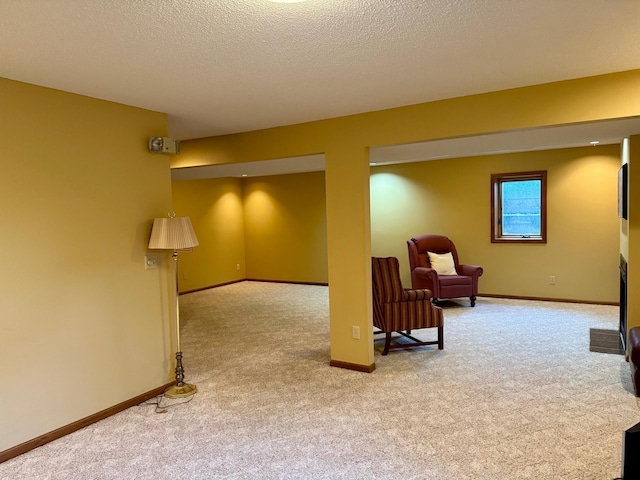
(164,408)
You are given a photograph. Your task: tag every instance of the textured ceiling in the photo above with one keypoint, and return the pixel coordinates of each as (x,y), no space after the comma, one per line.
(223,66)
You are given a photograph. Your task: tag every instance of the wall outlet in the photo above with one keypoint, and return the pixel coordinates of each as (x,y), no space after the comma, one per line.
(552,280)
(184,275)
(238,267)
(151,262)
(355,332)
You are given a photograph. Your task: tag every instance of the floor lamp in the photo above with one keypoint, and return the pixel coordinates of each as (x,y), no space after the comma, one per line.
(175,233)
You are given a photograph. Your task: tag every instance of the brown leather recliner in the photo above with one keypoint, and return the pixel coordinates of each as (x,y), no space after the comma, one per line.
(465,284)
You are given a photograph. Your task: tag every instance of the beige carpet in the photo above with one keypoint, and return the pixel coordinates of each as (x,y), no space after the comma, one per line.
(516,394)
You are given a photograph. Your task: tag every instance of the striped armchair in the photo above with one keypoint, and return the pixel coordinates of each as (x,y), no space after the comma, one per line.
(399,310)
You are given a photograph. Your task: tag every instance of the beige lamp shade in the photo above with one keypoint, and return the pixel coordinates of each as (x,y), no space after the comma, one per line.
(172,233)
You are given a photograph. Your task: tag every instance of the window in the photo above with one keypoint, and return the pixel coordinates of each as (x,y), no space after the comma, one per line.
(519,207)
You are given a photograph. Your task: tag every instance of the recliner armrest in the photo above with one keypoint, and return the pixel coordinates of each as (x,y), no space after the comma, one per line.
(633,346)
(470,270)
(425,272)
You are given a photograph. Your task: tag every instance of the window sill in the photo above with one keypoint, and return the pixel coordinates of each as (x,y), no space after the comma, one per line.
(534,240)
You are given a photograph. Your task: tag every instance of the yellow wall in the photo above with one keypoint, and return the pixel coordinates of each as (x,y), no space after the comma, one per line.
(452,197)
(286,228)
(345,142)
(216,212)
(83,326)
(274,227)
(81,318)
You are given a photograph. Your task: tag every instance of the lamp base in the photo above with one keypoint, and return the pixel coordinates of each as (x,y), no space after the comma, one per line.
(182,391)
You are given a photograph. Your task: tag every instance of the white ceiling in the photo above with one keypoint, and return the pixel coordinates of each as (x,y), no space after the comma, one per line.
(225,66)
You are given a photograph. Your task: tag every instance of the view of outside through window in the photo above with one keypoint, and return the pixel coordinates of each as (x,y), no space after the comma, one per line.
(521,207)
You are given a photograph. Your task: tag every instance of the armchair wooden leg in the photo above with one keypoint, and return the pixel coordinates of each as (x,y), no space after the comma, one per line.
(440,338)
(387,342)
(473,300)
